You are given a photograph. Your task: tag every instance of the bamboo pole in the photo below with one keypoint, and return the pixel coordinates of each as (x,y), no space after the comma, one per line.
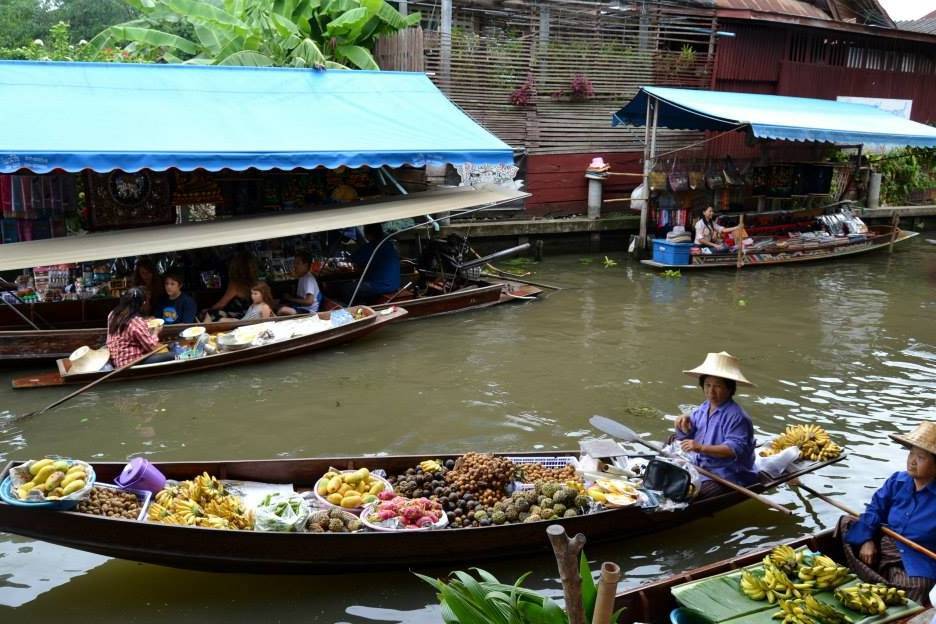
(894,221)
(567,552)
(607,589)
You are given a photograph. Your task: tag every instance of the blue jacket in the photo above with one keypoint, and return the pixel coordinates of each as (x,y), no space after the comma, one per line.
(906,511)
(383,276)
(727,425)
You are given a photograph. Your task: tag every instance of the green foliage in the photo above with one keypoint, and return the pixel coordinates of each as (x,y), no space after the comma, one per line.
(904,171)
(671,274)
(57,46)
(23,21)
(283,33)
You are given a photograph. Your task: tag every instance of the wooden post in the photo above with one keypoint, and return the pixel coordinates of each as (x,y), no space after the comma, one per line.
(445,51)
(567,553)
(894,221)
(404,7)
(607,588)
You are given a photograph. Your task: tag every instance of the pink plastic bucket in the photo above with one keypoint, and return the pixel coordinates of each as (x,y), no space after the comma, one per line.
(140,474)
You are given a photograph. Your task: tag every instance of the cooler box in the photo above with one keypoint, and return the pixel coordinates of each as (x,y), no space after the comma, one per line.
(666,252)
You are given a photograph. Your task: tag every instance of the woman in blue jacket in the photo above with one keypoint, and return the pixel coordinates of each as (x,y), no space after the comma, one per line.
(907,504)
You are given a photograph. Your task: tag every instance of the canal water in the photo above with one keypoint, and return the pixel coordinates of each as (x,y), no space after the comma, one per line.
(850,346)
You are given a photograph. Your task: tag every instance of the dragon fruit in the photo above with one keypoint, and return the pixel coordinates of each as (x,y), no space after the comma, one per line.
(386,495)
(425,522)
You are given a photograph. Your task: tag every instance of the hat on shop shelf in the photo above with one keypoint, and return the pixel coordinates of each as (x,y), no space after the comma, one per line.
(923,437)
(598,164)
(87,360)
(722,365)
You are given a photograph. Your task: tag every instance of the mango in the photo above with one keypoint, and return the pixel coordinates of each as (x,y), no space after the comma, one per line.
(36,466)
(44,472)
(350,502)
(334,484)
(376,487)
(334,499)
(357,476)
(61,465)
(74,476)
(597,494)
(75,468)
(322,489)
(367,499)
(73,487)
(54,479)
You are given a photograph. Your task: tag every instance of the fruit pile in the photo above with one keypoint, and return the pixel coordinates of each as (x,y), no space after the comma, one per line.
(201,502)
(112,503)
(614,492)
(547,501)
(531,473)
(823,571)
(483,475)
(333,521)
(808,610)
(350,489)
(870,599)
(426,480)
(52,479)
(813,441)
(782,565)
(398,512)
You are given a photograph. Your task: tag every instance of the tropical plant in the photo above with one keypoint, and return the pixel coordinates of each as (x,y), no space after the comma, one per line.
(287,33)
(525,93)
(467,600)
(904,172)
(580,89)
(56,46)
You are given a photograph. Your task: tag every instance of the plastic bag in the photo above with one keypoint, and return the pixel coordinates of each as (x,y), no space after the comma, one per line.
(340,317)
(776,465)
(281,513)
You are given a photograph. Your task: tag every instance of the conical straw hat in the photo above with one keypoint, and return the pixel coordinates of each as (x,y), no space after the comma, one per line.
(722,365)
(87,360)
(924,437)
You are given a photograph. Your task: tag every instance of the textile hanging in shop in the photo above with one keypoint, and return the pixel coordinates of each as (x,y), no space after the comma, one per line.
(120,200)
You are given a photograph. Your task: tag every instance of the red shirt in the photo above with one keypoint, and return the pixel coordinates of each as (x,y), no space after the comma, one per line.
(135,340)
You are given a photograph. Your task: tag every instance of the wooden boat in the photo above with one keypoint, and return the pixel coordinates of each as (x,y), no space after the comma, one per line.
(24,344)
(358,328)
(879,237)
(652,603)
(247,551)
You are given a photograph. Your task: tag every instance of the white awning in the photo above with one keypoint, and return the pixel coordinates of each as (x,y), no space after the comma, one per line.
(159,239)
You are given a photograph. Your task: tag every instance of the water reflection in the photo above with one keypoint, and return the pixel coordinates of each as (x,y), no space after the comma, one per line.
(851,346)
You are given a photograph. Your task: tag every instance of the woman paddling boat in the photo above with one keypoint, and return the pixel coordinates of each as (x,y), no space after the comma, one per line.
(907,504)
(719,433)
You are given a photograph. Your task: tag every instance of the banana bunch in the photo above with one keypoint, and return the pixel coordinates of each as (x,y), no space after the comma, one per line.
(813,441)
(430,465)
(787,559)
(52,479)
(808,610)
(753,585)
(773,585)
(200,502)
(823,571)
(861,600)
(890,595)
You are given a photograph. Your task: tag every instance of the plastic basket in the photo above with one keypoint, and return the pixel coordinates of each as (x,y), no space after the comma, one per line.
(369,509)
(144,496)
(9,497)
(546,461)
(322,502)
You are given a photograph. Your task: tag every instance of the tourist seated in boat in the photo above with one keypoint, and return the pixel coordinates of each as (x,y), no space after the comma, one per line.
(242,275)
(129,335)
(906,503)
(382,276)
(147,277)
(261,303)
(175,306)
(718,434)
(308,295)
(710,234)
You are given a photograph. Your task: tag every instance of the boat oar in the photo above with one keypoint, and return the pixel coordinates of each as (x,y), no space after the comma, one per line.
(158,348)
(885,530)
(617,430)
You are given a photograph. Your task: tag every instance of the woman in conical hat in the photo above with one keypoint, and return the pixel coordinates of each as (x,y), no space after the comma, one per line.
(907,504)
(719,433)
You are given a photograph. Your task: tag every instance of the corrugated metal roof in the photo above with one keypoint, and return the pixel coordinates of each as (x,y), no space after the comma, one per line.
(924,25)
(796,8)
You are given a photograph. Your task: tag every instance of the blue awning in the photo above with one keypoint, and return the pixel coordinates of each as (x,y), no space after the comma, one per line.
(776,117)
(106,116)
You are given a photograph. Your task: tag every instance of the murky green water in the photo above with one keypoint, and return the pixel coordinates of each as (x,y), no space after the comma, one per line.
(851,346)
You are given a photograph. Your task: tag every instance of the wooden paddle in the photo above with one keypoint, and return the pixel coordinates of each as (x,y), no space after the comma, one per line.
(885,530)
(158,348)
(617,430)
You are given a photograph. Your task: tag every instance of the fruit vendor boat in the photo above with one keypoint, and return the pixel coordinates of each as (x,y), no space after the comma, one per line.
(770,250)
(33,344)
(252,551)
(367,321)
(653,602)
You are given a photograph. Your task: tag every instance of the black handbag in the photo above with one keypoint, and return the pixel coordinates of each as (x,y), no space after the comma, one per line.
(674,482)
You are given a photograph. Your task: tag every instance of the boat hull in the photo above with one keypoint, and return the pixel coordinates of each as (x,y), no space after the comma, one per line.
(308,553)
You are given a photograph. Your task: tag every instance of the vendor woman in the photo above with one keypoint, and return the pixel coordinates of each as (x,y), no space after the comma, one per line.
(129,336)
(907,504)
(718,434)
(710,234)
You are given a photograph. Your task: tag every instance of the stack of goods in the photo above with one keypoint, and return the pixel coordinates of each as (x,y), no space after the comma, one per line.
(201,502)
(333,521)
(872,599)
(813,441)
(349,489)
(398,513)
(484,475)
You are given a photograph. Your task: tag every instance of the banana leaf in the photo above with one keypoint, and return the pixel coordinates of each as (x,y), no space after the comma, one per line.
(358,56)
(196,11)
(149,36)
(247,58)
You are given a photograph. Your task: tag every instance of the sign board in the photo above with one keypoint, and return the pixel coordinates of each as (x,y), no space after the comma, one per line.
(901,108)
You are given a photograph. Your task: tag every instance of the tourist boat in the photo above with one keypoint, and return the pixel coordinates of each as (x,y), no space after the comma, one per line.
(653,602)
(35,344)
(768,250)
(252,551)
(367,321)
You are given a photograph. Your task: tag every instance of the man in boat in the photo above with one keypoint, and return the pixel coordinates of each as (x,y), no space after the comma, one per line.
(308,296)
(907,504)
(710,234)
(719,435)
(175,306)
(382,276)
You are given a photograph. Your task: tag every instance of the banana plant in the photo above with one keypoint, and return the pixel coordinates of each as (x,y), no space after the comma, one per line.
(284,33)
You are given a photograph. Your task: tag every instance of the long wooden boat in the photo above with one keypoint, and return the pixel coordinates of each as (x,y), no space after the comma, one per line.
(879,238)
(25,344)
(249,551)
(358,328)
(652,603)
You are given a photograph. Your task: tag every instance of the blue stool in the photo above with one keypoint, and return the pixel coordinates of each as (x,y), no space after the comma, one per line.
(685,616)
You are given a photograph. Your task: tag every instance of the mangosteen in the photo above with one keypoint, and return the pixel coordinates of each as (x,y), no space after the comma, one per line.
(458,513)
(410,471)
(453,498)
(486,522)
(472,504)
(420,478)
(450,464)
(418,493)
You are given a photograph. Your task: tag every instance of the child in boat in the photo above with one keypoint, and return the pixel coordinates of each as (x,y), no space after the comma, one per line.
(129,336)
(308,296)
(261,306)
(175,306)
(242,274)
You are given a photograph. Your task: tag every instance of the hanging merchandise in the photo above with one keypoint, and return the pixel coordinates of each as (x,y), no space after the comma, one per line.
(678,180)
(119,199)
(733,177)
(696,177)
(657,180)
(713,178)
